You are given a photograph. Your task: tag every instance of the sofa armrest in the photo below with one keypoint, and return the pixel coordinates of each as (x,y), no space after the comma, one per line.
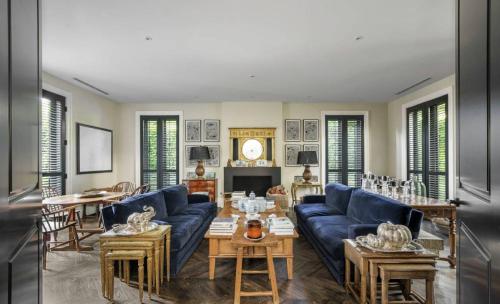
(198,198)
(313,199)
(107,217)
(416,218)
(361,229)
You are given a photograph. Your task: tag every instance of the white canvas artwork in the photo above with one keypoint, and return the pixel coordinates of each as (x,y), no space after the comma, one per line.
(311,130)
(211,129)
(94,149)
(192,130)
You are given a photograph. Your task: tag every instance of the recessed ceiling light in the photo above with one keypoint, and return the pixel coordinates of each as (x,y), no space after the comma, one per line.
(358,38)
(252,76)
(148,38)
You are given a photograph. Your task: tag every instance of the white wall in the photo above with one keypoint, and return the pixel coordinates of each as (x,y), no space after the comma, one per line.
(396,141)
(89,108)
(249,114)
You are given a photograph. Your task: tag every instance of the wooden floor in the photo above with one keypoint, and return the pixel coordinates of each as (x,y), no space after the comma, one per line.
(74,278)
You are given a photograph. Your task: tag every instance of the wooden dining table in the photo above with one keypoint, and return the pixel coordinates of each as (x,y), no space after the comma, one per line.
(72,200)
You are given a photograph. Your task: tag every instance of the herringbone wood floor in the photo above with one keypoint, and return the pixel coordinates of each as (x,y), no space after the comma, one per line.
(74,278)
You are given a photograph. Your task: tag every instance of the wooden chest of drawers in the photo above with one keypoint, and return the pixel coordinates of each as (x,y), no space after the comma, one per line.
(202,185)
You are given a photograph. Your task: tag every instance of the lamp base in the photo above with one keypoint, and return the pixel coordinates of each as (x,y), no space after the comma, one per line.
(200,171)
(307,175)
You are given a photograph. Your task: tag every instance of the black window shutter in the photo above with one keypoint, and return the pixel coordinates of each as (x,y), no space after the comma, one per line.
(53,142)
(344,149)
(159,151)
(427,146)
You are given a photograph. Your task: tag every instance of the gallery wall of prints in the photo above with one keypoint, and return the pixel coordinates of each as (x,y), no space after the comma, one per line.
(204,132)
(301,135)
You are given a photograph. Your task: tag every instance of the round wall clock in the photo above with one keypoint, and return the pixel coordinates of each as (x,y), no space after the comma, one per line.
(252,149)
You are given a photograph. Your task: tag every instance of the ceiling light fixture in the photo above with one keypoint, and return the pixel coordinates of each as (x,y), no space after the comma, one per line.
(358,38)
(252,76)
(148,38)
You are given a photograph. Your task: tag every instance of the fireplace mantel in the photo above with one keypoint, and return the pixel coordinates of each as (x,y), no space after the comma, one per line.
(231,172)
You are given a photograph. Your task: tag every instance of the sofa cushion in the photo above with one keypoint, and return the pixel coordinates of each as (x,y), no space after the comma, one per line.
(183,227)
(204,210)
(136,203)
(370,208)
(331,238)
(329,221)
(337,197)
(176,199)
(306,211)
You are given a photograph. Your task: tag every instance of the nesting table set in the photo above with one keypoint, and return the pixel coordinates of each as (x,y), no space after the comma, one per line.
(154,246)
(395,265)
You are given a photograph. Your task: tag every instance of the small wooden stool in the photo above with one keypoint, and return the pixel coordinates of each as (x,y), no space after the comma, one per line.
(408,272)
(124,245)
(124,255)
(241,243)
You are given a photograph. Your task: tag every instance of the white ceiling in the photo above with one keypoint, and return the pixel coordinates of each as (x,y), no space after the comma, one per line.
(298,50)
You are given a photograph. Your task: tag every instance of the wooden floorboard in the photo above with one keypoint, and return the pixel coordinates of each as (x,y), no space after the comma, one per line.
(74,278)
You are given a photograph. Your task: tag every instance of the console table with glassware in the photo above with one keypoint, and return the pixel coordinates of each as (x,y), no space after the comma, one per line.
(432,208)
(303,185)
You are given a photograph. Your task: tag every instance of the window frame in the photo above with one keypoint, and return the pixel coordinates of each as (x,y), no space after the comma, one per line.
(159,145)
(425,106)
(64,142)
(345,118)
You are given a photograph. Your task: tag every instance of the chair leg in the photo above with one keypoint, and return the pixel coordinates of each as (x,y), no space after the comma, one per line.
(77,239)
(141,279)
(272,275)
(239,270)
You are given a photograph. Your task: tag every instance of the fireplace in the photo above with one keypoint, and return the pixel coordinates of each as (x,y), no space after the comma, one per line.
(257,179)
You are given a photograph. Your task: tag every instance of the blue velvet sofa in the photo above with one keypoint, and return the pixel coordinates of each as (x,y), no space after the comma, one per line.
(345,212)
(189,215)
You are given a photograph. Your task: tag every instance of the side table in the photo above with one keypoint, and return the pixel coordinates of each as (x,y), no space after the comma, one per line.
(302,185)
(161,243)
(361,257)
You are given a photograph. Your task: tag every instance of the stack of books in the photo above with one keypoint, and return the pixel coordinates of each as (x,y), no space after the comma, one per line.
(281,226)
(222,226)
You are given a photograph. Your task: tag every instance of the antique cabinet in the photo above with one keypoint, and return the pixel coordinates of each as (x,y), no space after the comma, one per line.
(202,185)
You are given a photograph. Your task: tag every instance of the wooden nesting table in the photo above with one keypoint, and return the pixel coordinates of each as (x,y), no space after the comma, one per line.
(161,241)
(366,264)
(221,246)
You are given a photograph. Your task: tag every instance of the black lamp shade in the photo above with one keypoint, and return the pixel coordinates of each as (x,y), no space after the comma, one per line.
(307,158)
(199,153)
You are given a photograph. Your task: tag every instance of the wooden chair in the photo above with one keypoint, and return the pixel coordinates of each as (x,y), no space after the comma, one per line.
(127,187)
(140,190)
(53,222)
(241,243)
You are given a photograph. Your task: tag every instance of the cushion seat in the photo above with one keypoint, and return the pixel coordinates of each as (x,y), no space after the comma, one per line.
(183,226)
(331,239)
(306,211)
(201,209)
(318,222)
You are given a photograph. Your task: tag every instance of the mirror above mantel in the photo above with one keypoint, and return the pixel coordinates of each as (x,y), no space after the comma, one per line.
(251,145)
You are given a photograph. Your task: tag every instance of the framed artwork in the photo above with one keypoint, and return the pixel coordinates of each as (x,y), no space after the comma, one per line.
(94,149)
(192,130)
(214,160)
(211,130)
(210,175)
(291,154)
(311,130)
(187,153)
(191,175)
(313,147)
(292,129)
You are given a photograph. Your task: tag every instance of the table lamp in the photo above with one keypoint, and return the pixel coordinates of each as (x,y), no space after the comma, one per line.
(199,154)
(307,158)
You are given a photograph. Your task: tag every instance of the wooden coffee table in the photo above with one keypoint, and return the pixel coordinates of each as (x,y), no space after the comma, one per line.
(221,247)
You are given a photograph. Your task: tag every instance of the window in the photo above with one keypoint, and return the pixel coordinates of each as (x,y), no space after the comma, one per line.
(344,149)
(159,151)
(427,146)
(53,141)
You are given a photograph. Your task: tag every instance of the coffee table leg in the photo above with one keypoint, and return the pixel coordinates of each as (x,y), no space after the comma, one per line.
(211,268)
(157,266)
(289,268)
(363,267)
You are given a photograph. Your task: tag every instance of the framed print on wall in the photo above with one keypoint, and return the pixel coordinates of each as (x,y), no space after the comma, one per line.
(211,130)
(311,130)
(192,130)
(214,160)
(313,147)
(94,149)
(291,155)
(292,129)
